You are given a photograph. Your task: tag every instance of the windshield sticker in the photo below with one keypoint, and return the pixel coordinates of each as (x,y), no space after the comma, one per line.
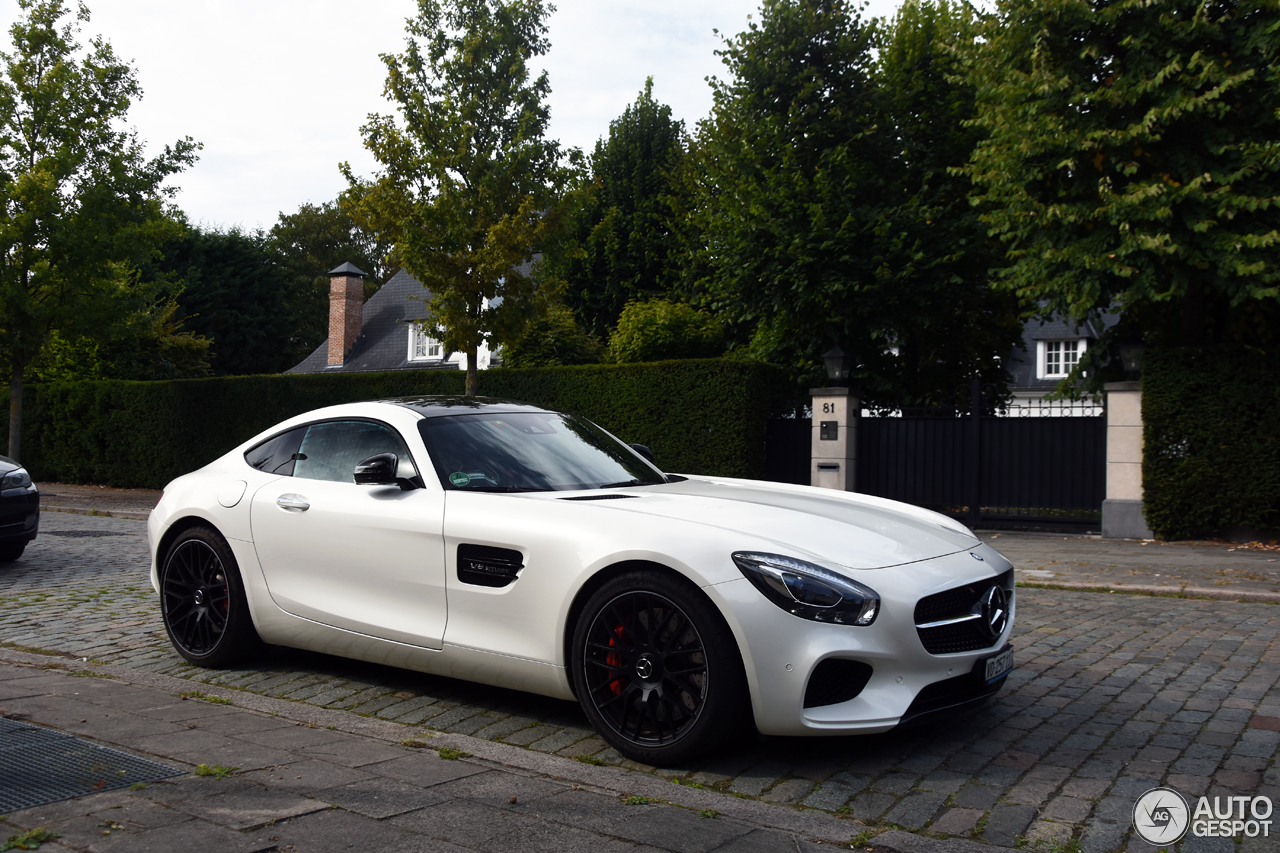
(459,479)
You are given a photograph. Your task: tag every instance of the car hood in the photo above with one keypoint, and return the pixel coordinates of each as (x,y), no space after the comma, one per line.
(847,529)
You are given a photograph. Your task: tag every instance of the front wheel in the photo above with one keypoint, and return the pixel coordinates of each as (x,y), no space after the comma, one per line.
(10,551)
(202,599)
(657,669)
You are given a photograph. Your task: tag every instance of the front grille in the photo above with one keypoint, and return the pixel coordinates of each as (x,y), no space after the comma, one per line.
(485,565)
(961,601)
(834,681)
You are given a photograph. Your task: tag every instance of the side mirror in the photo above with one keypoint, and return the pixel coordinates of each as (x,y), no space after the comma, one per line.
(645,452)
(379,470)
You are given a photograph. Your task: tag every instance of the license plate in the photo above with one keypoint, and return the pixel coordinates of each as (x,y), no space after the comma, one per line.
(999,666)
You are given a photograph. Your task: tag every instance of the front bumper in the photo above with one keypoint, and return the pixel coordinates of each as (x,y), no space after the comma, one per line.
(905,683)
(19,515)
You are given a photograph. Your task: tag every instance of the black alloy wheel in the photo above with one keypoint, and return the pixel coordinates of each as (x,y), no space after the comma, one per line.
(203,604)
(657,670)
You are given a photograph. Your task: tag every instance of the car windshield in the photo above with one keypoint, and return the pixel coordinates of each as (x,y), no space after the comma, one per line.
(529,452)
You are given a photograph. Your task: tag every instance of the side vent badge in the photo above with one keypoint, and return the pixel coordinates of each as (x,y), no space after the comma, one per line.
(977,556)
(485,565)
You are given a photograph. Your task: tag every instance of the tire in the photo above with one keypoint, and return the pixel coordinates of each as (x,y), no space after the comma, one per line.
(657,670)
(10,551)
(202,600)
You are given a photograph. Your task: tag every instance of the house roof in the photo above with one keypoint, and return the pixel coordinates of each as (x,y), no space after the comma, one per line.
(384,338)
(1022,362)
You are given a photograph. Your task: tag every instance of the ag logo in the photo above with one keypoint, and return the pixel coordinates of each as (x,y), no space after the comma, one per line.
(1161,816)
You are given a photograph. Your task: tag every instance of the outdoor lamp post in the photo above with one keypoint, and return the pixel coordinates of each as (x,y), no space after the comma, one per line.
(1131,359)
(838,364)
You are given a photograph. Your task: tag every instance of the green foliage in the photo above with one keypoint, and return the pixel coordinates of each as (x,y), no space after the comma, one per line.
(217,771)
(305,246)
(551,341)
(79,202)
(624,218)
(699,417)
(825,209)
(468,182)
(29,840)
(658,329)
(233,293)
(448,753)
(1211,430)
(1132,160)
(149,344)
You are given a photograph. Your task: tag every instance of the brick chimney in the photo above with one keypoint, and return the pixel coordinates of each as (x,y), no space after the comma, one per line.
(346,311)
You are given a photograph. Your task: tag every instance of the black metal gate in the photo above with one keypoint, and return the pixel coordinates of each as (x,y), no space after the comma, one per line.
(1041,466)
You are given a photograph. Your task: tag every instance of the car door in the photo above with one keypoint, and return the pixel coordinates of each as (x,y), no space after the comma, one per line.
(368,559)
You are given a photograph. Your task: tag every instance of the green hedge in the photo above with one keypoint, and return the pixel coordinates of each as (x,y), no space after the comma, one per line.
(702,417)
(1211,427)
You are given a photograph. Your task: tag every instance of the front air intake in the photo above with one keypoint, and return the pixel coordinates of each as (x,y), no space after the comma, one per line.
(834,681)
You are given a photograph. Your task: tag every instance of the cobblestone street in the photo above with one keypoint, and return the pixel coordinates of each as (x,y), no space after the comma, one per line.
(1112,695)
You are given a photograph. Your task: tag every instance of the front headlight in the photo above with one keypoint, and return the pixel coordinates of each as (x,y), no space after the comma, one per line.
(16,479)
(808,591)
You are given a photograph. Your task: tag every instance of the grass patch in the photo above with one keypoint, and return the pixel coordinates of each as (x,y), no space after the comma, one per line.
(88,673)
(414,744)
(205,697)
(29,840)
(708,813)
(636,800)
(448,753)
(589,759)
(217,771)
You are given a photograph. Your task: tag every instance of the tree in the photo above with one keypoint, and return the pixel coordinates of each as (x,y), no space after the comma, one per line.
(78,198)
(660,329)
(553,340)
(468,180)
(306,245)
(1132,161)
(826,212)
(623,216)
(234,293)
(148,344)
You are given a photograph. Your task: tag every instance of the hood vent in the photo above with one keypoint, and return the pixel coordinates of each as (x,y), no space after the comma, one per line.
(599,498)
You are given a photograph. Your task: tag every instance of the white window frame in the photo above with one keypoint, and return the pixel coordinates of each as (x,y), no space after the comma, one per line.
(423,347)
(1055,354)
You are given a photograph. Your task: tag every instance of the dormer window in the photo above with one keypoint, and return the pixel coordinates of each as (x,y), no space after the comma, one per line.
(423,347)
(1056,359)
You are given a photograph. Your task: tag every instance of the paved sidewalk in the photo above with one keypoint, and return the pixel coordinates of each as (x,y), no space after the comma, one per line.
(287,777)
(1111,693)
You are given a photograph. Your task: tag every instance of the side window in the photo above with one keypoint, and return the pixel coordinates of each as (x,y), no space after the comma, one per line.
(330,451)
(276,455)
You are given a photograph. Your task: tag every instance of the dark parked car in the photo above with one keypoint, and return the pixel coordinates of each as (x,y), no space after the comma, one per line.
(19,510)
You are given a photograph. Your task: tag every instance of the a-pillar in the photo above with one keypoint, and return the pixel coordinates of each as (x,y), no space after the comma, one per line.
(1122,515)
(835,427)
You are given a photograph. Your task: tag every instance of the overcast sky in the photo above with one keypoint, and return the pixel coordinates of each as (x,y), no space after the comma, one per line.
(277,90)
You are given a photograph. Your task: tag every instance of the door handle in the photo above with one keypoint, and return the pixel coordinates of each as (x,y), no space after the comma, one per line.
(293,503)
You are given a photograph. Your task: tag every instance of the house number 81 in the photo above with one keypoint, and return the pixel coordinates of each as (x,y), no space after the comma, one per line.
(828,408)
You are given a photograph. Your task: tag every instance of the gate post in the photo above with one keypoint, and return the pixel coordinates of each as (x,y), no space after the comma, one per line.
(1122,515)
(835,446)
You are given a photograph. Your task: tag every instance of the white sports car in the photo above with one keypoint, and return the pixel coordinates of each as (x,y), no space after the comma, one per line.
(506,544)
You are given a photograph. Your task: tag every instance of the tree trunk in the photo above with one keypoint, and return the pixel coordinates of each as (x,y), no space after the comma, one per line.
(15,413)
(473,372)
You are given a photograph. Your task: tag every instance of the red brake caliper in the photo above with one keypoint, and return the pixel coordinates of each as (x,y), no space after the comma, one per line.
(614,659)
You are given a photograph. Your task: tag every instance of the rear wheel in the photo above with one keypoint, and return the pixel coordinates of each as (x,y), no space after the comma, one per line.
(202,598)
(657,669)
(10,551)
